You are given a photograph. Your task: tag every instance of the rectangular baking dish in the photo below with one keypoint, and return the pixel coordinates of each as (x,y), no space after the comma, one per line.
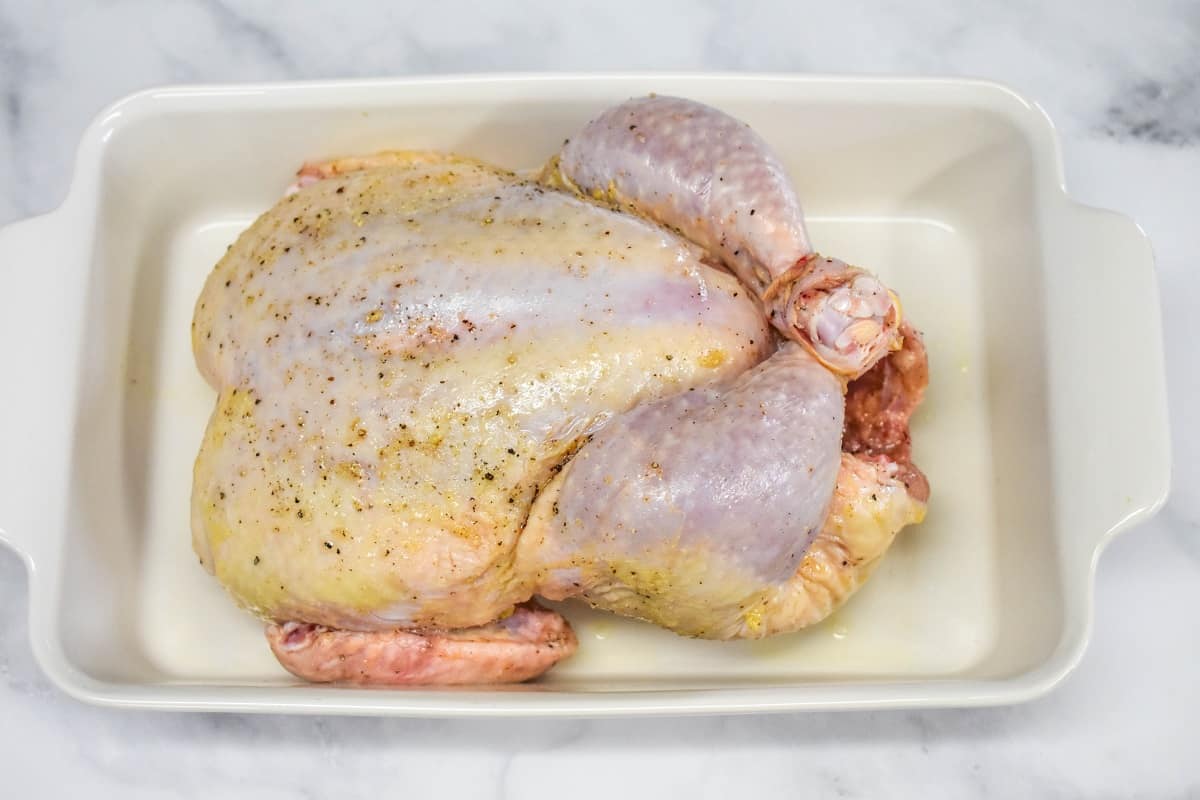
(1044,432)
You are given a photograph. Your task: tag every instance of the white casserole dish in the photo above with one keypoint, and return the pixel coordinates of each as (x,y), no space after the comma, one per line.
(1039,447)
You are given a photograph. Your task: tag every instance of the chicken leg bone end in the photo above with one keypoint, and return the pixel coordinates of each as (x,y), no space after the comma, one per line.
(841,313)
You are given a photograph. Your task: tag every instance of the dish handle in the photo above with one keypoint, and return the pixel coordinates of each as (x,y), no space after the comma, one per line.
(1110,426)
(39,325)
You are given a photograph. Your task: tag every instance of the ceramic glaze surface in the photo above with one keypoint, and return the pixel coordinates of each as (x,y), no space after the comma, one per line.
(1121,93)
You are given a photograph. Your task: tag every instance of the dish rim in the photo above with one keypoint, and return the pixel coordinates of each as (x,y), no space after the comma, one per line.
(42,557)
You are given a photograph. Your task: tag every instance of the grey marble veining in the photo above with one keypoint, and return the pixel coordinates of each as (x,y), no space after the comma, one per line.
(1121,84)
(1157,112)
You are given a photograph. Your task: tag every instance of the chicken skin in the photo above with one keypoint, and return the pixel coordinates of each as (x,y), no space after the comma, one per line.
(443,389)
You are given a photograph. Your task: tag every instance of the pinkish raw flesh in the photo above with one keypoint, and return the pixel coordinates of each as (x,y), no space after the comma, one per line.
(444,389)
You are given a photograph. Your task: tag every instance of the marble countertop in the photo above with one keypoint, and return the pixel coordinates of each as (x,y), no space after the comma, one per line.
(1122,84)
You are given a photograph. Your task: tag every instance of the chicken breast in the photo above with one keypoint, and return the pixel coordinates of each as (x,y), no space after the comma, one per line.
(403,356)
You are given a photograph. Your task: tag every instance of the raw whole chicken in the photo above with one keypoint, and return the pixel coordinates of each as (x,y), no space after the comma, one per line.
(445,389)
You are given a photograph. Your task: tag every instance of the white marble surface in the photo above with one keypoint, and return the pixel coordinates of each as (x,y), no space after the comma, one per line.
(1123,85)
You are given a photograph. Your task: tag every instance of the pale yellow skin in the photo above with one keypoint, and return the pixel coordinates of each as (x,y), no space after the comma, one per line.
(407,351)
(870,506)
(374,452)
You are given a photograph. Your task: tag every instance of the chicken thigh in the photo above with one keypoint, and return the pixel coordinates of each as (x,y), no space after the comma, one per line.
(444,389)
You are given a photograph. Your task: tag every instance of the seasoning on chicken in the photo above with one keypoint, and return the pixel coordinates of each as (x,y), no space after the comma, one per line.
(444,389)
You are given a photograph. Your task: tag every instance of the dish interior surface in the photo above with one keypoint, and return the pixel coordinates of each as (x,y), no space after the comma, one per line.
(938,199)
